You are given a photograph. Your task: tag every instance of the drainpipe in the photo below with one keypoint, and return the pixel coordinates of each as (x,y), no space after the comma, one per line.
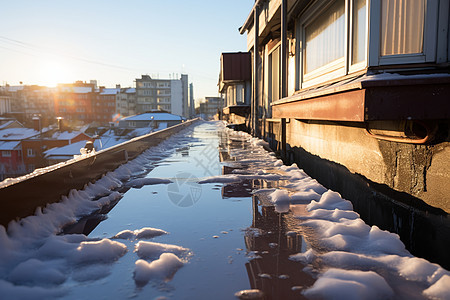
(284,83)
(255,70)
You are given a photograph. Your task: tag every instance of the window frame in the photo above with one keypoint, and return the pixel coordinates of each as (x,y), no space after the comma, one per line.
(31,152)
(429,39)
(6,153)
(337,68)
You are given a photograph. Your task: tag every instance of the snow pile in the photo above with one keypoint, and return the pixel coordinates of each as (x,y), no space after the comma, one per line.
(164,268)
(144,233)
(140,182)
(349,285)
(351,259)
(152,250)
(36,260)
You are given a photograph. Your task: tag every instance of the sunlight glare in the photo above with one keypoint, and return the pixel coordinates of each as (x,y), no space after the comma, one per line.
(53,71)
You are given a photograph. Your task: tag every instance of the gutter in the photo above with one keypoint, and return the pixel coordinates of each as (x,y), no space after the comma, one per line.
(249,19)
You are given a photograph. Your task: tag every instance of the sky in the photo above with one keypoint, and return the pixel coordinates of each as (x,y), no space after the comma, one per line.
(114,42)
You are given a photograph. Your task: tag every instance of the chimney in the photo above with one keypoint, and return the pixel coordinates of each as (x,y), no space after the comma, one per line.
(117,86)
(60,124)
(36,123)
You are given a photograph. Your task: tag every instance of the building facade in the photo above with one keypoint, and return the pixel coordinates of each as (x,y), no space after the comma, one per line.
(356,89)
(235,86)
(170,95)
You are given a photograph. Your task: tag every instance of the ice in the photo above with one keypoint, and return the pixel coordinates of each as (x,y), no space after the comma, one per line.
(140,182)
(147,250)
(162,268)
(143,233)
(344,284)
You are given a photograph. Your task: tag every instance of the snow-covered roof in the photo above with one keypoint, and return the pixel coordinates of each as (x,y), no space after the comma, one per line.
(66,151)
(156,117)
(9,145)
(75,89)
(9,123)
(112,91)
(14,88)
(17,134)
(130,91)
(66,135)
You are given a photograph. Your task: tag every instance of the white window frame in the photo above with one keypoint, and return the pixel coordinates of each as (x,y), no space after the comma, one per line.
(429,39)
(6,153)
(334,69)
(31,152)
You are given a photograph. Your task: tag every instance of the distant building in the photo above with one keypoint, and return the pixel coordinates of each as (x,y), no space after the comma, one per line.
(156,120)
(211,107)
(104,106)
(126,102)
(191,101)
(12,153)
(75,102)
(162,94)
(235,86)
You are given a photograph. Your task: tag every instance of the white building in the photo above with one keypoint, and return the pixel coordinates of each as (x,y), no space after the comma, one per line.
(170,95)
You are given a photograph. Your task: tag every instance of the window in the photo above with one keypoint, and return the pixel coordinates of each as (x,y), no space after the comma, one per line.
(404,31)
(131,124)
(402,25)
(274,75)
(325,37)
(31,152)
(359,31)
(6,153)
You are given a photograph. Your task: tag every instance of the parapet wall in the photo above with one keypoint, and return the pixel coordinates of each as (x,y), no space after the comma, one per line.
(21,198)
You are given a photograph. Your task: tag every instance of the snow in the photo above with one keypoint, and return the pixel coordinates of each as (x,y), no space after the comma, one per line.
(140,182)
(440,290)
(10,145)
(143,233)
(350,259)
(156,117)
(249,294)
(17,134)
(147,250)
(164,268)
(344,284)
(109,91)
(75,89)
(36,260)
(66,135)
(66,152)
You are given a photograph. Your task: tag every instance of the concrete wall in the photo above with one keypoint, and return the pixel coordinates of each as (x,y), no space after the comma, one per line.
(176,92)
(423,171)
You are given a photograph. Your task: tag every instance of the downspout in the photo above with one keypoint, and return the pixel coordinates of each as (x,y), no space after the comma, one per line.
(255,69)
(284,84)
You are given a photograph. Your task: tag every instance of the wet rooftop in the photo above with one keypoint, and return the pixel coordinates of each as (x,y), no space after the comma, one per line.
(208,214)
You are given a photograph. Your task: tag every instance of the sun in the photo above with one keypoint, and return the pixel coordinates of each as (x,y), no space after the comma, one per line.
(53,71)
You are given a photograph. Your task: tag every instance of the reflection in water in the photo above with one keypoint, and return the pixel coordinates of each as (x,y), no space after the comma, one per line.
(272,238)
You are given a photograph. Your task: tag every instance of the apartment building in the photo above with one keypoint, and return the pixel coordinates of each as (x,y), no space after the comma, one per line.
(169,95)
(356,89)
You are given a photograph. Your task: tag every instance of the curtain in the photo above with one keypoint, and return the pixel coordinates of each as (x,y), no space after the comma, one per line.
(359,31)
(325,37)
(402,26)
